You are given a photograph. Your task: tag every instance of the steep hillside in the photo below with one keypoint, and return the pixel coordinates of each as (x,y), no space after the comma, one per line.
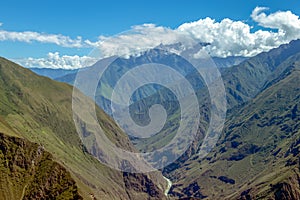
(29,172)
(257,157)
(40,110)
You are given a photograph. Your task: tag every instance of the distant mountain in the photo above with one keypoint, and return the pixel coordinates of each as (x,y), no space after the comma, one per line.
(41,152)
(228,61)
(53,73)
(121,65)
(159,55)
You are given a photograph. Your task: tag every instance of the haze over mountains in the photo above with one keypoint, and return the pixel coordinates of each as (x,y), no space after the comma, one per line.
(256,157)
(122,65)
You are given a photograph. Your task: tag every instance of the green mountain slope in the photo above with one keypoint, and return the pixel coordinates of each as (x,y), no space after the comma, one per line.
(40,110)
(257,157)
(28,172)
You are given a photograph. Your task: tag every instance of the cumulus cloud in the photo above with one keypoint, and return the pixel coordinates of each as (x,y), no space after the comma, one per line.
(227,37)
(235,38)
(231,38)
(287,22)
(56,61)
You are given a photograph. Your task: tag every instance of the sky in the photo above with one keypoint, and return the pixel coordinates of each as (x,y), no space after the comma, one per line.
(61,34)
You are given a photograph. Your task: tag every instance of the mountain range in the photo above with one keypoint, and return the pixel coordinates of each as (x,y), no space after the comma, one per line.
(256,157)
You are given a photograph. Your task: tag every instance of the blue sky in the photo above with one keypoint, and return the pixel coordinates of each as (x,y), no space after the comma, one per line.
(91,19)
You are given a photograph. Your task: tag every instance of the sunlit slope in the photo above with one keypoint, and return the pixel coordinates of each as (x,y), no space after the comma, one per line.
(40,110)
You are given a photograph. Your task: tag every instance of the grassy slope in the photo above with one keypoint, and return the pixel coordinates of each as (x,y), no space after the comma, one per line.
(39,109)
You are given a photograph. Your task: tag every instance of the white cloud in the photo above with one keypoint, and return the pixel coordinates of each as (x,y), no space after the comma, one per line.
(230,38)
(29,36)
(227,37)
(138,39)
(235,38)
(56,61)
(287,22)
